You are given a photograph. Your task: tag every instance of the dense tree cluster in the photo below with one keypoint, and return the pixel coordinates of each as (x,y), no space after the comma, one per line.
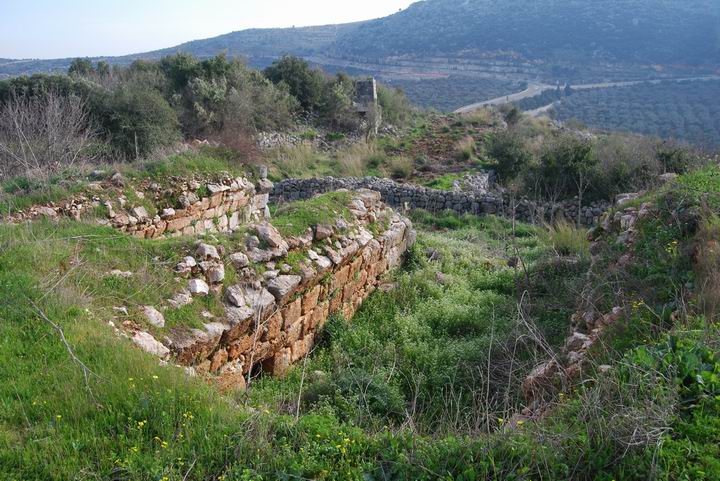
(149,105)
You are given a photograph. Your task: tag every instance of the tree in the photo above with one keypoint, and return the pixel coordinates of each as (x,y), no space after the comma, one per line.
(139,120)
(566,166)
(304,83)
(509,153)
(81,67)
(103,68)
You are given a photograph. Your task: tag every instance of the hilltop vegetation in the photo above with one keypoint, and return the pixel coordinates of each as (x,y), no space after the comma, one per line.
(126,113)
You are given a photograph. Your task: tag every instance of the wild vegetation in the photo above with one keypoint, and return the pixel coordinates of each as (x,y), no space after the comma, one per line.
(54,122)
(427,380)
(422,383)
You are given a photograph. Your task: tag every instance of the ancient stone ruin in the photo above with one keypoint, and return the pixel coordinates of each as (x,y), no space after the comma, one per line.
(283,289)
(276,306)
(366,102)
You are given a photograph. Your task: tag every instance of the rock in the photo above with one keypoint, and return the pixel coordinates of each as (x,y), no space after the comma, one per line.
(323,263)
(669,177)
(180,299)
(283,285)
(441,278)
(269,234)
(207,252)
(269,275)
(624,199)
(323,232)
(154,316)
(46,211)
(216,188)
(540,380)
(239,260)
(576,342)
(241,296)
(333,255)
(167,213)
(198,287)
(185,267)
(215,274)
(119,273)
(252,242)
(627,221)
(149,344)
(117,180)
(265,186)
(140,213)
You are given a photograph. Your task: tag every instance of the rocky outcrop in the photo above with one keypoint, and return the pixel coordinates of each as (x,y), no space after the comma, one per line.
(417,197)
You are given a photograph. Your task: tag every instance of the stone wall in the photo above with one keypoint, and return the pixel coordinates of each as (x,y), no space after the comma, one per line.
(416,197)
(228,204)
(273,314)
(187,207)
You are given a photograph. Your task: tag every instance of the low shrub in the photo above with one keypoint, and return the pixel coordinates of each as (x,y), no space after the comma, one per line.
(568,240)
(400,167)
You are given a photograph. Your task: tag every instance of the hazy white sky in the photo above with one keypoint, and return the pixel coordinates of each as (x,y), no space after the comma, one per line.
(73,28)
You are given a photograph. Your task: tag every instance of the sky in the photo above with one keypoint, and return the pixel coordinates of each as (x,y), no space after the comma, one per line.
(77,28)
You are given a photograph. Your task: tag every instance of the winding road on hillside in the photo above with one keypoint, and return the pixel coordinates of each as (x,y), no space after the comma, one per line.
(538,88)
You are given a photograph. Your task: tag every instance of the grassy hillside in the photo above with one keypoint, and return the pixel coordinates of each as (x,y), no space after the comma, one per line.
(421,385)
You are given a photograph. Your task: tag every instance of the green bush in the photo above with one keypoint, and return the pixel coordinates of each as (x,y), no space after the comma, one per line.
(396,108)
(509,153)
(139,120)
(304,83)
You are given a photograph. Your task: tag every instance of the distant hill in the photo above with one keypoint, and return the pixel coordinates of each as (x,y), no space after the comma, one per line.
(512,39)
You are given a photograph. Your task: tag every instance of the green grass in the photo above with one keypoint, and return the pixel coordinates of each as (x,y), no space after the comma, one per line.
(400,392)
(568,240)
(294,219)
(206,162)
(445,182)
(19,194)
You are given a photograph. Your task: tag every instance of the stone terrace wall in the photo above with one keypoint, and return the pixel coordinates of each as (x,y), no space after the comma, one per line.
(230,203)
(417,197)
(223,206)
(272,315)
